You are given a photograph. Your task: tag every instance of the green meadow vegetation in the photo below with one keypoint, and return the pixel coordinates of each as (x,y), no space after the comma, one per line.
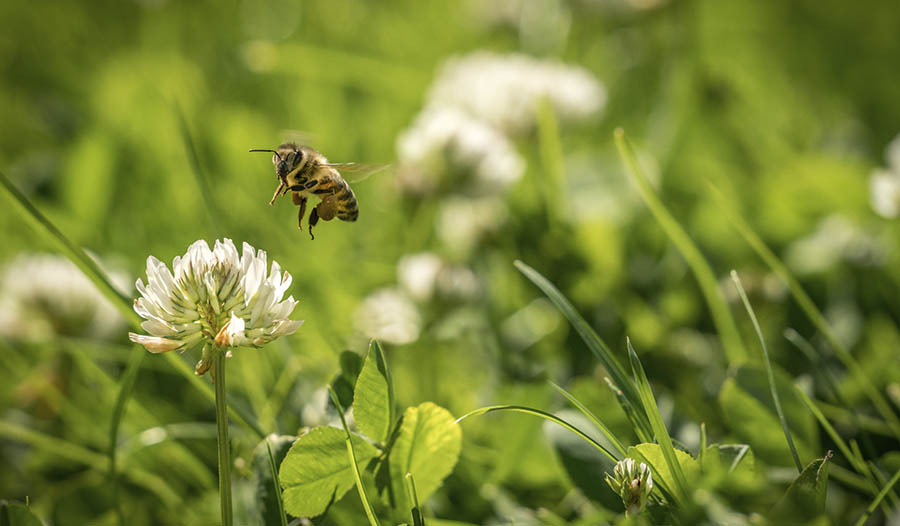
(630,262)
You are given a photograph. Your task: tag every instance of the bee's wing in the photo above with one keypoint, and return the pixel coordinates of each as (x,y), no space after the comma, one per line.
(298,136)
(356,172)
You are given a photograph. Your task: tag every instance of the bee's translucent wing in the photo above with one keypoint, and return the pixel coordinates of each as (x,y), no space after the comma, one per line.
(298,136)
(356,172)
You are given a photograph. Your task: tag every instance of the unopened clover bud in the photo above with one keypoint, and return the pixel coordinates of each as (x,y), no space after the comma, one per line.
(633,483)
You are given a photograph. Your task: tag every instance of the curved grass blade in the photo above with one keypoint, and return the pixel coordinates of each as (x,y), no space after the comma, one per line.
(124,305)
(593,418)
(373,520)
(656,422)
(769,374)
(809,308)
(537,412)
(75,453)
(590,338)
(878,498)
(126,385)
(639,424)
(709,286)
(418,519)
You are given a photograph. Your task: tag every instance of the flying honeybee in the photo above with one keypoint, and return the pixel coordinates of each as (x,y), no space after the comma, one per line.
(305,172)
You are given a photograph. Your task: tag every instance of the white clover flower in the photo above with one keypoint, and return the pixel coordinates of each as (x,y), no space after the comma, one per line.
(505,90)
(44,295)
(425,274)
(446,141)
(633,483)
(390,316)
(213,298)
(835,239)
(463,222)
(884,184)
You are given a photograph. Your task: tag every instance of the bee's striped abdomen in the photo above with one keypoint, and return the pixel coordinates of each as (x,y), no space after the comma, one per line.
(348,208)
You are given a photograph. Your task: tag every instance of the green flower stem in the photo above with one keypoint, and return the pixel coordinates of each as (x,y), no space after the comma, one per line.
(224,449)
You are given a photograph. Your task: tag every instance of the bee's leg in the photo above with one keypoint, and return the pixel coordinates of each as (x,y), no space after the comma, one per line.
(277,193)
(301,201)
(313,219)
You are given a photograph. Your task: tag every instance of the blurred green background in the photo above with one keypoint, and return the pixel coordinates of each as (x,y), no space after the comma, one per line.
(786,107)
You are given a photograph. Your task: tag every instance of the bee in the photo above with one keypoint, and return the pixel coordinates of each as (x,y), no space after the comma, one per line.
(305,172)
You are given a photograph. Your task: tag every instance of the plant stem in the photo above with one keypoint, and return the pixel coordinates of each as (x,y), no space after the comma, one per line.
(224,449)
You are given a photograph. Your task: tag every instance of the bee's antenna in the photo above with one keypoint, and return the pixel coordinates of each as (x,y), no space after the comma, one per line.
(271,151)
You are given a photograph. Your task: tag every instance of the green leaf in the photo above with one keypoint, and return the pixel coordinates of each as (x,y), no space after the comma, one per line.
(267,501)
(747,405)
(373,399)
(654,455)
(805,497)
(17,514)
(344,382)
(315,471)
(427,445)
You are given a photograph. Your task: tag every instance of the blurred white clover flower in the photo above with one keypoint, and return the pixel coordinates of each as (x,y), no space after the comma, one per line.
(445,139)
(884,184)
(390,316)
(633,483)
(835,239)
(505,89)
(425,275)
(463,222)
(43,295)
(213,298)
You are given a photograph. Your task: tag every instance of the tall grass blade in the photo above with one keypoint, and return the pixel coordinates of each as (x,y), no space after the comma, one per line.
(656,422)
(542,414)
(809,308)
(215,218)
(418,519)
(552,162)
(639,424)
(351,454)
(124,304)
(278,497)
(878,498)
(593,418)
(769,374)
(709,286)
(590,338)
(126,385)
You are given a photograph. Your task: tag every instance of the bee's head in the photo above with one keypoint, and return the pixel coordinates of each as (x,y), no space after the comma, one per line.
(287,157)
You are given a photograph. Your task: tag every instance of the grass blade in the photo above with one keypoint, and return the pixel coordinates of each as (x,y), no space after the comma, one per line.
(809,308)
(124,304)
(552,162)
(593,418)
(212,213)
(635,415)
(126,385)
(542,414)
(590,338)
(656,422)
(418,519)
(278,497)
(769,374)
(709,286)
(878,498)
(373,520)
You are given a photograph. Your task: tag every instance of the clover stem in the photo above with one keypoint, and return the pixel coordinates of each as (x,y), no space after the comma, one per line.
(223,444)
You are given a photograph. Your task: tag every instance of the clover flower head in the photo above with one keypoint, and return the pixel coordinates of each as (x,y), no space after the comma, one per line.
(390,316)
(505,89)
(447,140)
(633,483)
(42,295)
(214,298)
